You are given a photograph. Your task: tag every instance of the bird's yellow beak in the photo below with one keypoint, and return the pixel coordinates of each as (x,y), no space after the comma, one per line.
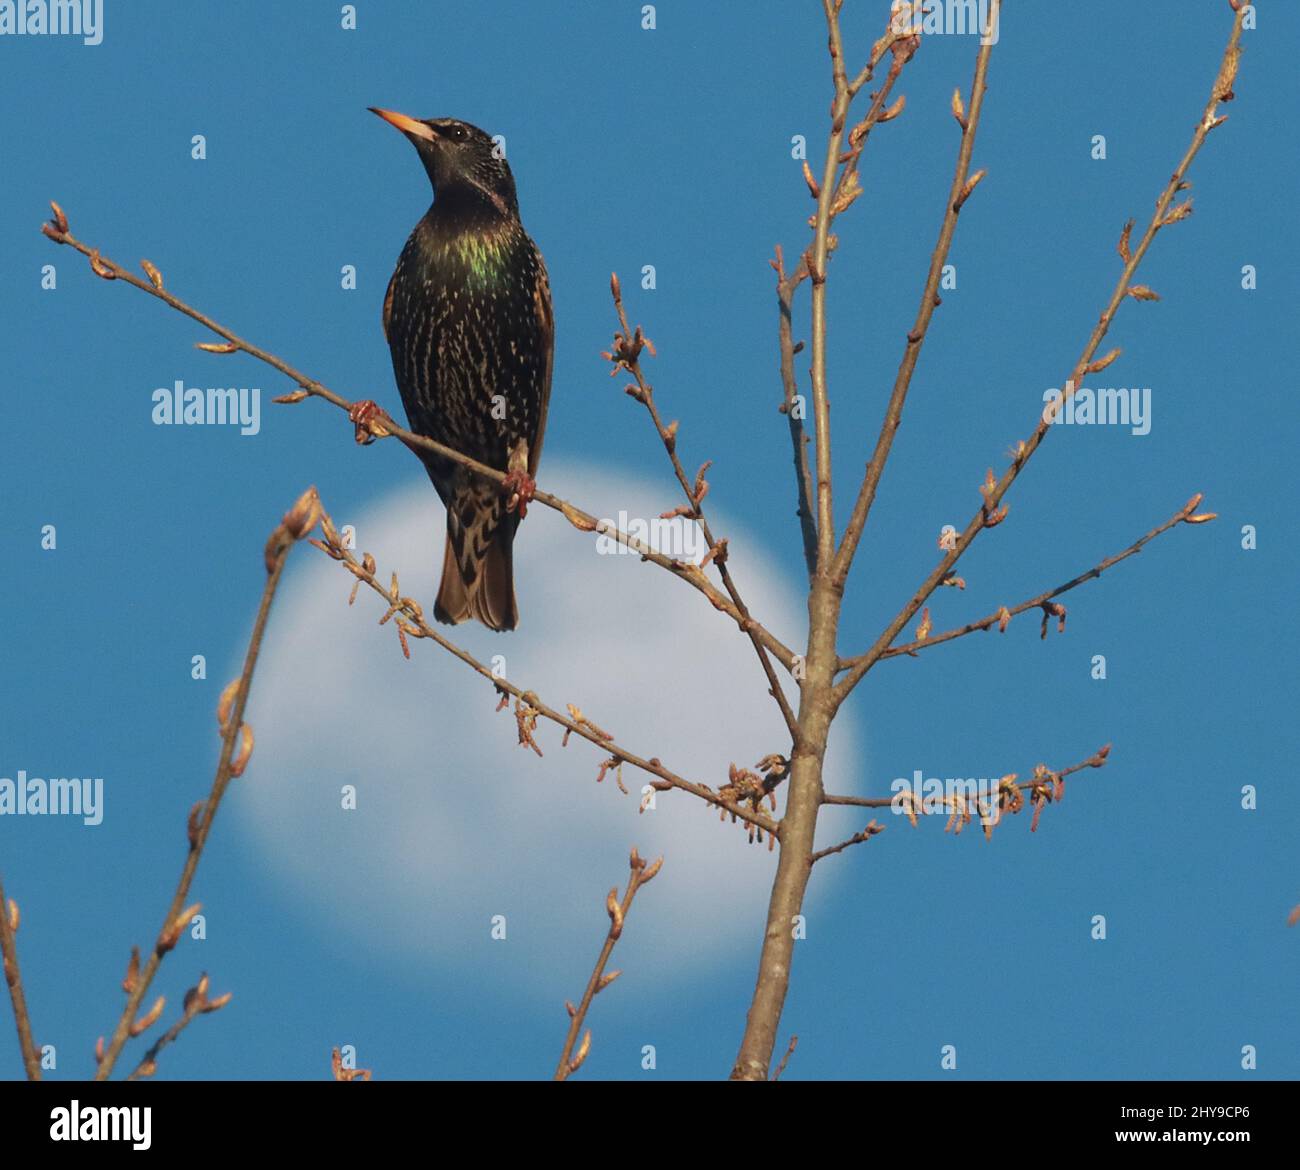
(408,126)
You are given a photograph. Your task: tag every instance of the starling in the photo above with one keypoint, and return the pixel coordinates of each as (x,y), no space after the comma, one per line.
(468,320)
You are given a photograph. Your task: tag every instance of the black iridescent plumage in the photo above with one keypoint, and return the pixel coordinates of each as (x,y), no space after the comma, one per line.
(468,320)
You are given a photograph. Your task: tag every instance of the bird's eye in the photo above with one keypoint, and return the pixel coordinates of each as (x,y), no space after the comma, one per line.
(457,132)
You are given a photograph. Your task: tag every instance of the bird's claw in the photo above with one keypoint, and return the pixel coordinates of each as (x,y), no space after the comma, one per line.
(367,416)
(520,487)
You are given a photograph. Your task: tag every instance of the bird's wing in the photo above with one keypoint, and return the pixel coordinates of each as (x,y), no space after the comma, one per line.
(388,302)
(546,330)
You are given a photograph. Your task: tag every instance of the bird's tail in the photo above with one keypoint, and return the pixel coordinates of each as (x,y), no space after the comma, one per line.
(479,586)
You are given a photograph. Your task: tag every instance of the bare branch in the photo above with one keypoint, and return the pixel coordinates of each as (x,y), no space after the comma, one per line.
(1004,614)
(957,194)
(1098,759)
(873,827)
(529,708)
(847,190)
(14,979)
(799,440)
(817,259)
(640,874)
(789,1052)
(989,512)
(799,824)
(196,1004)
(627,355)
(893,41)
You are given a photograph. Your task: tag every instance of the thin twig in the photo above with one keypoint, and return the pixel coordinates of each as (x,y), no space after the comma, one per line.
(846,191)
(196,1004)
(903,48)
(958,192)
(789,1052)
(149,1062)
(640,874)
(298,521)
(818,258)
(1004,614)
(627,355)
(873,827)
(799,438)
(831,195)
(1096,760)
(14,978)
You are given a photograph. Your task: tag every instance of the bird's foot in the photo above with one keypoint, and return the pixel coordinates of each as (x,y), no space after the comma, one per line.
(367,415)
(519,487)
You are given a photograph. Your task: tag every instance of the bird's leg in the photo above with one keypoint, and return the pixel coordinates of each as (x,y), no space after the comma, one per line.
(367,415)
(518,484)
(521,487)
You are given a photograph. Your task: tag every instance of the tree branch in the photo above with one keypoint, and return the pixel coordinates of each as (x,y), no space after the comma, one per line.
(989,514)
(14,979)
(196,1004)
(799,824)
(817,260)
(873,827)
(640,875)
(789,1052)
(410,623)
(1041,600)
(958,193)
(627,355)
(1096,760)
(799,440)
(847,189)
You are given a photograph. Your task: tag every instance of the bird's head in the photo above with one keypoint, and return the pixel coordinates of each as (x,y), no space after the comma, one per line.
(465,166)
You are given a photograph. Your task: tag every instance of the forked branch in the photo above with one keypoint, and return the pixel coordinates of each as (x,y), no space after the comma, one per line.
(1044,601)
(990,513)
(958,193)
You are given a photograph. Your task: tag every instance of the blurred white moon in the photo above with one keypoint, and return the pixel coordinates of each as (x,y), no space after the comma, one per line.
(455,823)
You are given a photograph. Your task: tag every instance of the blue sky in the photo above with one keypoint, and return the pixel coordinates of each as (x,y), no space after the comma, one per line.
(672,148)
